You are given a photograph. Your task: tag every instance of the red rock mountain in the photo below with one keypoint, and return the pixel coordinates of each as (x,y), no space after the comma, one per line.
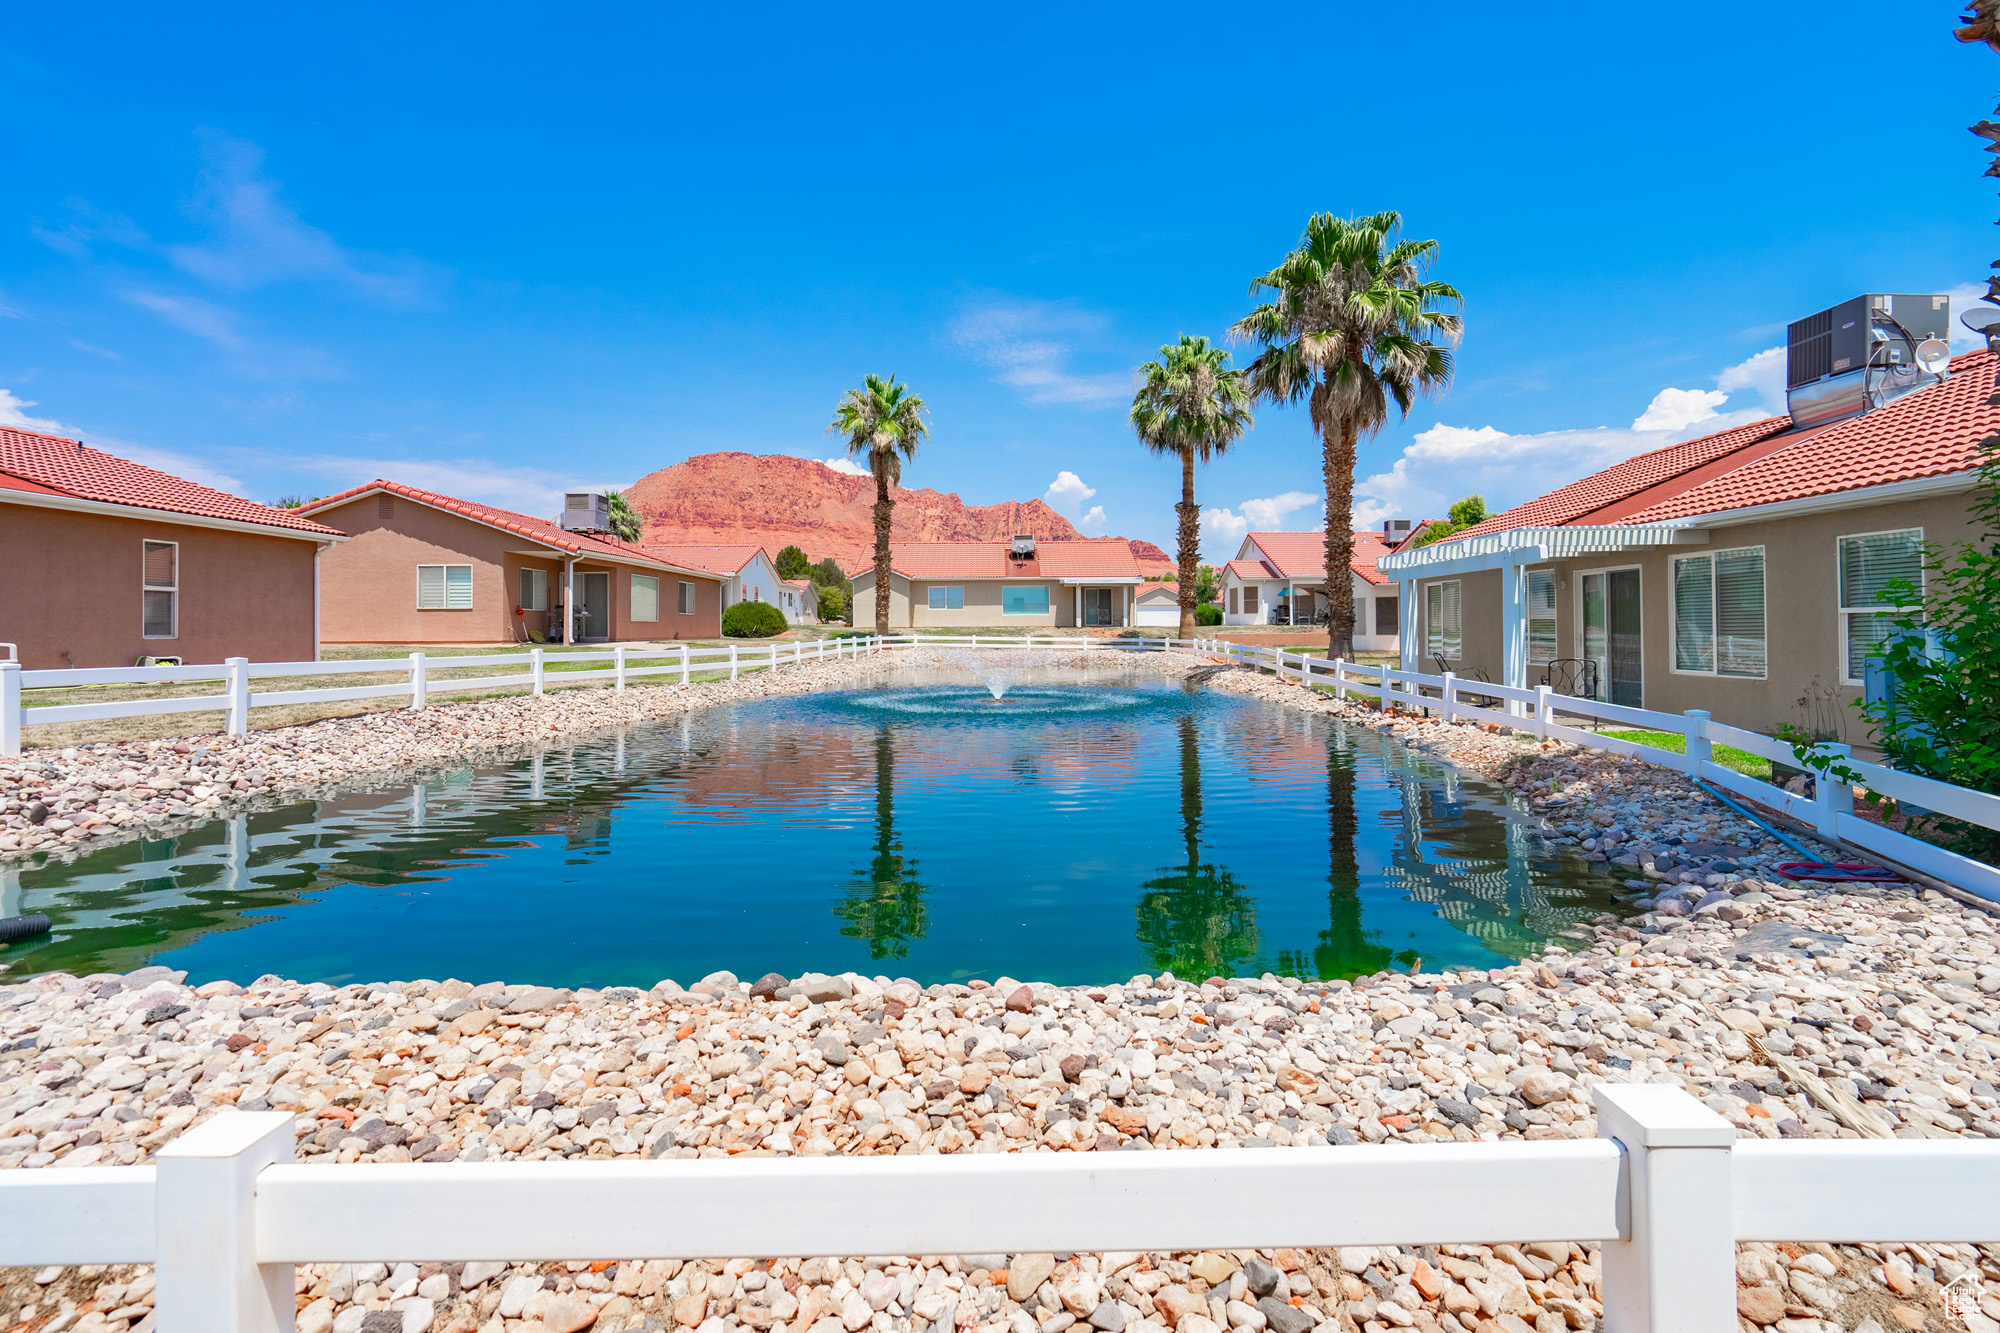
(776,501)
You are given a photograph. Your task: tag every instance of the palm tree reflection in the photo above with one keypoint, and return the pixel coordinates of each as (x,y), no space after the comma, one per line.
(884,903)
(1195,920)
(1344,949)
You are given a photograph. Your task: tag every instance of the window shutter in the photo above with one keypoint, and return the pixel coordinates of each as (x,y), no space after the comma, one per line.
(430,587)
(1454,629)
(1739,613)
(645,597)
(1694,613)
(1433,618)
(457,587)
(1386,610)
(1869,564)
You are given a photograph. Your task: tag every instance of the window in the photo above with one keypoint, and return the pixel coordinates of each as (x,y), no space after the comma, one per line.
(1541,615)
(645,597)
(534,590)
(1024,601)
(1387,610)
(1443,628)
(687,598)
(1233,601)
(1719,613)
(160,583)
(1869,563)
(444,587)
(1249,599)
(949,599)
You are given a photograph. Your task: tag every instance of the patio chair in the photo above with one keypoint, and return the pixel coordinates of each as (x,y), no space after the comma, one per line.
(1465,673)
(1574,676)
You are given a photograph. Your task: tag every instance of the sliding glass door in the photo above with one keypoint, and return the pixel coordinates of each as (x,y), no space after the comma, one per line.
(1611,634)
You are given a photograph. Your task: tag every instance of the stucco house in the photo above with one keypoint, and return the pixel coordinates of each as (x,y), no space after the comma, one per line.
(1157,604)
(1279,578)
(1740,573)
(428,568)
(1019,585)
(104,561)
(748,574)
(800,601)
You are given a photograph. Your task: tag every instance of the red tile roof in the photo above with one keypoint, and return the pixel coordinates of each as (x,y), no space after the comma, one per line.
(1152,587)
(1934,432)
(710,559)
(992,560)
(542,530)
(1302,555)
(49,464)
(1253,569)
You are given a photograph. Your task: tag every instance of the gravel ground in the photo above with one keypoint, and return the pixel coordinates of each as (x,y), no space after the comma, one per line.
(1791,1011)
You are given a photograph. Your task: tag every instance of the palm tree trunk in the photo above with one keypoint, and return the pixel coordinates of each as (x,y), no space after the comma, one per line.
(1190,536)
(884,509)
(1337,460)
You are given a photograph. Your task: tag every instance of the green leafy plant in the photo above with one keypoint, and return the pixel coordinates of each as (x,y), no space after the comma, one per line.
(1207,589)
(753,620)
(793,563)
(1208,613)
(827,574)
(834,603)
(1464,514)
(626,525)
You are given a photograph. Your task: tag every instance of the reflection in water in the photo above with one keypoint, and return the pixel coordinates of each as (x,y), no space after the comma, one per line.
(788,835)
(885,904)
(1195,920)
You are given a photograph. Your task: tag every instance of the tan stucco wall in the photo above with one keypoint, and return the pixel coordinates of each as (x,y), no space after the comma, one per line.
(368,586)
(909,603)
(1801,613)
(864,600)
(70,591)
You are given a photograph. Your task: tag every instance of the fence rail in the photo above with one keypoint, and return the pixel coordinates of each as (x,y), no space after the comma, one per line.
(1538,711)
(225,1215)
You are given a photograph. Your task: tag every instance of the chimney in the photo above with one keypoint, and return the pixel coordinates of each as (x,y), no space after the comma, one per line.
(1864,354)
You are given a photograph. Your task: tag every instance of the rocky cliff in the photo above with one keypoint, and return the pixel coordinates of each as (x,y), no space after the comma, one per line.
(776,501)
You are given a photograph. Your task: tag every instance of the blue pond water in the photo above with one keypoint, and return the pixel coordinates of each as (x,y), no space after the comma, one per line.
(1068,833)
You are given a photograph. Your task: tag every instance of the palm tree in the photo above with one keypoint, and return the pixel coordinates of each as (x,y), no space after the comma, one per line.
(884,904)
(1349,329)
(884,422)
(626,525)
(1192,405)
(1196,920)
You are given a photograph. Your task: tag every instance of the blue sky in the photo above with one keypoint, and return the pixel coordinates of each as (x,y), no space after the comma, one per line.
(503,250)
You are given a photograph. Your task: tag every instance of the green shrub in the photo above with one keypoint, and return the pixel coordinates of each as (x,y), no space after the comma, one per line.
(1208,614)
(753,620)
(832,604)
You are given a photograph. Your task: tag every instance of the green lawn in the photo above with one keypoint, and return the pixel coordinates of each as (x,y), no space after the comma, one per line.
(1750,765)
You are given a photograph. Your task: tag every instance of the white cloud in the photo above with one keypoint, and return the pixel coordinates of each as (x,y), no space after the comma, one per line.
(1029,344)
(1226,529)
(201,318)
(1370,513)
(1067,492)
(1963,297)
(13,412)
(1764,372)
(1677,409)
(530,491)
(1093,521)
(1269,515)
(260,239)
(844,466)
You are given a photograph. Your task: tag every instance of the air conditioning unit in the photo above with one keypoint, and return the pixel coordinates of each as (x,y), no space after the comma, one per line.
(1023,548)
(1863,354)
(586,511)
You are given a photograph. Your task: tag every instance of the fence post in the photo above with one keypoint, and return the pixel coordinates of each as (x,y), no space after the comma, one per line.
(237,710)
(684,664)
(618,667)
(1834,794)
(1448,697)
(1675,1271)
(419,682)
(732,660)
(1340,678)
(207,1278)
(1544,712)
(535,670)
(10,710)
(1700,750)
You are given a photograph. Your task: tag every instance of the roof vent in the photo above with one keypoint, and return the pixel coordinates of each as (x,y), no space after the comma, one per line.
(1023,548)
(586,511)
(1863,354)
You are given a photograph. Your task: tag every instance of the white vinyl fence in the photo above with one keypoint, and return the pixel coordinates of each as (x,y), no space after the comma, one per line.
(1538,711)
(1665,1187)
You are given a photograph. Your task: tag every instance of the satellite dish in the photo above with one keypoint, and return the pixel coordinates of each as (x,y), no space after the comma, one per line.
(1934,353)
(1981,319)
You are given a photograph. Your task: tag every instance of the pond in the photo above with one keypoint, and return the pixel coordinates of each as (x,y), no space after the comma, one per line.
(1073,831)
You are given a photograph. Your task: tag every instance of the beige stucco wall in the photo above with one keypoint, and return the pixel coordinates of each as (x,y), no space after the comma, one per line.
(909,603)
(71,591)
(864,600)
(1801,613)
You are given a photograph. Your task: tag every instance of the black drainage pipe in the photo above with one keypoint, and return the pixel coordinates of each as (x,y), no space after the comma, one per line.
(23,927)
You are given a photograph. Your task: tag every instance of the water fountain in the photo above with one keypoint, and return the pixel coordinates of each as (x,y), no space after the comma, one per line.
(988,667)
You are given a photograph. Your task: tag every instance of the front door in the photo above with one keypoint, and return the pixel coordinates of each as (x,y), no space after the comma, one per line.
(1611,635)
(593,605)
(1097,607)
